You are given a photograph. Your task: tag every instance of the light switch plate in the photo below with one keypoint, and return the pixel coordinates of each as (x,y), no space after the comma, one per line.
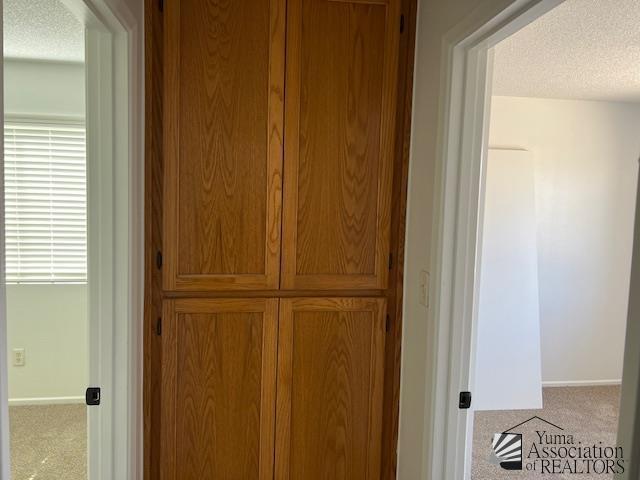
(424,288)
(18,357)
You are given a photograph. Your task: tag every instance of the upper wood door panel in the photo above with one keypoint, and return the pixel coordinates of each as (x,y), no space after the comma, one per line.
(330,386)
(223,127)
(340,116)
(218,377)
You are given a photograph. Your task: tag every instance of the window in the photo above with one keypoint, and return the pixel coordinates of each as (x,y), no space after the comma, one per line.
(45,202)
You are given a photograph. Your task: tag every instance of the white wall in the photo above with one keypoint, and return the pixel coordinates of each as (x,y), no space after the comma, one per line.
(43,88)
(418,409)
(586,160)
(48,321)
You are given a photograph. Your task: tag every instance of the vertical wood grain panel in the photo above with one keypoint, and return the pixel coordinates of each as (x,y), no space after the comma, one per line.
(339,143)
(223,126)
(153,240)
(219,389)
(330,381)
(169,395)
(340,209)
(393,348)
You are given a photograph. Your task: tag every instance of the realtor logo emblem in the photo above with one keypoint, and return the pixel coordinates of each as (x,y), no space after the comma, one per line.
(507,450)
(554,452)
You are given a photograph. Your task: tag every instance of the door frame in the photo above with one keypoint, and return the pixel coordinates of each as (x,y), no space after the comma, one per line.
(115,75)
(458,179)
(115,105)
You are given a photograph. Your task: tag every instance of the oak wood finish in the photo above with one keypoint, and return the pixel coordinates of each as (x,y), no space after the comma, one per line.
(219,377)
(393,353)
(339,142)
(223,126)
(329,400)
(152,362)
(278,293)
(210,287)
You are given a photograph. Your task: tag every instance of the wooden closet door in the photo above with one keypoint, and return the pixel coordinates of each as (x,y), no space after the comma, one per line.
(340,115)
(330,386)
(223,127)
(218,381)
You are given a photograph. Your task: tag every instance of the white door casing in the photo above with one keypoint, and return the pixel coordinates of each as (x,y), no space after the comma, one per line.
(115,132)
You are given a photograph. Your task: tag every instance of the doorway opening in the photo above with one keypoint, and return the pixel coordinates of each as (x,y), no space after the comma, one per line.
(555,241)
(45,185)
(72,218)
(458,347)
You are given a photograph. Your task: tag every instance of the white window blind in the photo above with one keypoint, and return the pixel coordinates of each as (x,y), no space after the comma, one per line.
(45,202)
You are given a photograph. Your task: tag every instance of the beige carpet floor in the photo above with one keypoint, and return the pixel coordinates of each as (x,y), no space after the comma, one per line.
(590,414)
(48,442)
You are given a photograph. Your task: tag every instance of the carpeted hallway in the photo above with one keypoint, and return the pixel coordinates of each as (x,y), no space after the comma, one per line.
(590,414)
(48,442)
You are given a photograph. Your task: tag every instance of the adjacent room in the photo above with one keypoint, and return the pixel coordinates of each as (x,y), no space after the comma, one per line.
(46,239)
(556,232)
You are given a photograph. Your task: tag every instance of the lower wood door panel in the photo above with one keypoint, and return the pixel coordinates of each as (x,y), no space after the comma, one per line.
(218,380)
(330,388)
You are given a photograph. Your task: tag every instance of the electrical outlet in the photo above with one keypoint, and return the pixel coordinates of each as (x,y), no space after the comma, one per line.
(424,288)
(18,357)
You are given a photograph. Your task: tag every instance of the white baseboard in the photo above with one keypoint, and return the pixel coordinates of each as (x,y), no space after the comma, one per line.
(582,383)
(45,401)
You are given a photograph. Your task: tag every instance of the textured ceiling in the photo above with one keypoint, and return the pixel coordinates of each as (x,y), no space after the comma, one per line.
(42,29)
(582,49)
